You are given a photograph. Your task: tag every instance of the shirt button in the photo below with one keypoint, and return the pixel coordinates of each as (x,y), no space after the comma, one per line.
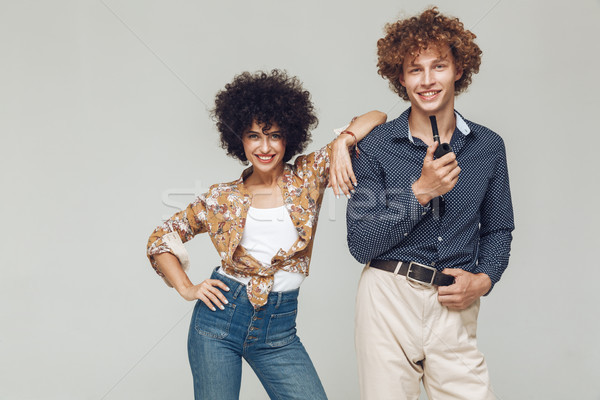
(406,234)
(433,264)
(425,212)
(440,239)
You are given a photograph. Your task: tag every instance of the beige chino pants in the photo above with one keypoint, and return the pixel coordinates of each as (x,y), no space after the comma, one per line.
(403,334)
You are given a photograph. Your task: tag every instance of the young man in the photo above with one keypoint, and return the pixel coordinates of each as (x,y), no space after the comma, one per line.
(435,232)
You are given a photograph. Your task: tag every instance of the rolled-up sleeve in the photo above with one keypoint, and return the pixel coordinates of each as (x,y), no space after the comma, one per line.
(181,227)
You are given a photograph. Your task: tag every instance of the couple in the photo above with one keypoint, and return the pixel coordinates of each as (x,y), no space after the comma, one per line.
(433,231)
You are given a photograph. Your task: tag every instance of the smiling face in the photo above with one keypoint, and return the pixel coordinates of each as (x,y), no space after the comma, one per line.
(265,150)
(429,80)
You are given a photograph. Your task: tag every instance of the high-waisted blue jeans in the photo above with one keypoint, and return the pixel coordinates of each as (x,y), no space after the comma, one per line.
(265,338)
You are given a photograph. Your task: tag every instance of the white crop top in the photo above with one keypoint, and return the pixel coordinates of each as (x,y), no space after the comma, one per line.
(266,231)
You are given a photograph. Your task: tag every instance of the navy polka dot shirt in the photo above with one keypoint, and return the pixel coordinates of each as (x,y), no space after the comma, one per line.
(385,220)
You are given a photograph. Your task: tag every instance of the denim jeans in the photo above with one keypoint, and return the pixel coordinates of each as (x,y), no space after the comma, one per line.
(265,338)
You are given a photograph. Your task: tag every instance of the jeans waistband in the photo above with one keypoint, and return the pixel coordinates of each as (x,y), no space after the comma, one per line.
(237,289)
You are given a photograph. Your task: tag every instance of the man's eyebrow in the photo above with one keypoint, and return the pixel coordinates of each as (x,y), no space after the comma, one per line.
(444,57)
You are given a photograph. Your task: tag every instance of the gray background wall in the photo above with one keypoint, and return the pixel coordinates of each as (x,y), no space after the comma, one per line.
(104,123)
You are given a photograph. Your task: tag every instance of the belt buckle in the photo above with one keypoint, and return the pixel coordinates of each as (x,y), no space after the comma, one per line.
(428,284)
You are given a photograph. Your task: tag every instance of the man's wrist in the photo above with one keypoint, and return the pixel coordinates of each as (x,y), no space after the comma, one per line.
(422,198)
(485,283)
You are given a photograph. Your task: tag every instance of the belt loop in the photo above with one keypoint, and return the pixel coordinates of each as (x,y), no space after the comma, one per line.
(238,290)
(279,296)
(397,267)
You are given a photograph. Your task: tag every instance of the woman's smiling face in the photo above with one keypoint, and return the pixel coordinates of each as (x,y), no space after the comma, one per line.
(264,149)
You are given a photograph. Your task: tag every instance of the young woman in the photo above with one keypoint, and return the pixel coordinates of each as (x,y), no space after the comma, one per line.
(263,227)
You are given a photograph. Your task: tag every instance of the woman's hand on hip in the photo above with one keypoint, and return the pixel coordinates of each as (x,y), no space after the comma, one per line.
(208,292)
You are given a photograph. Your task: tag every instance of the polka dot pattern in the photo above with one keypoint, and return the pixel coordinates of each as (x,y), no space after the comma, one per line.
(385,220)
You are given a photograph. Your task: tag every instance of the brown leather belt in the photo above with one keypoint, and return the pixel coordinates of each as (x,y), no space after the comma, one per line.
(413,271)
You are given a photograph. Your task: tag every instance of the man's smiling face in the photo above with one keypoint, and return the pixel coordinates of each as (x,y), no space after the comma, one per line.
(429,80)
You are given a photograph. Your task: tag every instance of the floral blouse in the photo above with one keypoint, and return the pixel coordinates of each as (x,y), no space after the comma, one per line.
(222,213)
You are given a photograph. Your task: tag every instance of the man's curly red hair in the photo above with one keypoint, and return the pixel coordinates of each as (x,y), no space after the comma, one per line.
(408,37)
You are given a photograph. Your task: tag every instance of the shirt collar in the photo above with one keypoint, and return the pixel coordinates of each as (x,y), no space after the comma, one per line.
(461,125)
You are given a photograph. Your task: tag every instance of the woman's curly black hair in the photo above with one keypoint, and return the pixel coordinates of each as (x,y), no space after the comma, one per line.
(266,98)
